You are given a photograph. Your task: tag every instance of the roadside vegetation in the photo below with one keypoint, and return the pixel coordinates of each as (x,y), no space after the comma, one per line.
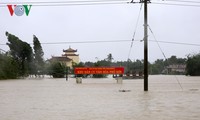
(22,60)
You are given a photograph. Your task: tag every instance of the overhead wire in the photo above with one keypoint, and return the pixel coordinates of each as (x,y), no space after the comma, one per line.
(62,2)
(112,41)
(164,56)
(68,3)
(157,42)
(76,42)
(185,3)
(178,43)
(137,22)
(81,42)
(133,38)
(100,2)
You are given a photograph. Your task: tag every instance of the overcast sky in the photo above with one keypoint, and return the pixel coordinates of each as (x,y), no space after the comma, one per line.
(106,22)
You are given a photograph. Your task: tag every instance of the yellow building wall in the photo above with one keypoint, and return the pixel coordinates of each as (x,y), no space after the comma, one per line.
(74,58)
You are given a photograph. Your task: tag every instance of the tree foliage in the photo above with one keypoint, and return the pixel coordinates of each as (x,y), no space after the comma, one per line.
(193,65)
(81,64)
(21,61)
(56,69)
(160,65)
(157,67)
(102,63)
(8,67)
(22,54)
(109,57)
(38,56)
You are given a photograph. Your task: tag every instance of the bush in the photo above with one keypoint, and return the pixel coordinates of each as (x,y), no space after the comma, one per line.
(57,70)
(8,67)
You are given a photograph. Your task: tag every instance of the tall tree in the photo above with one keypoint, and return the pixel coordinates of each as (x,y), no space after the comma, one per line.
(38,55)
(21,52)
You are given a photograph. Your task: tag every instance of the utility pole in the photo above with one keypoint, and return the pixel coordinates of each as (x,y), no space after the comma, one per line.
(145,45)
(145,39)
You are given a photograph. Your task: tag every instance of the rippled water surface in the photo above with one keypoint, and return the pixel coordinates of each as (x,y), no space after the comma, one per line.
(168,98)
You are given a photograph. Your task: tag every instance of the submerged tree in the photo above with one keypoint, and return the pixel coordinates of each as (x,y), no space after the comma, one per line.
(38,56)
(8,67)
(22,54)
(57,70)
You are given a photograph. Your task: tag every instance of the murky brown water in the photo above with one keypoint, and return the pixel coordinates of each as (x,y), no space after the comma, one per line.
(100,99)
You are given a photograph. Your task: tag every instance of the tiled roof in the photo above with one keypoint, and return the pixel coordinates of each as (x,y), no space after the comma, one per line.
(70,50)
(64,58)
(70,55)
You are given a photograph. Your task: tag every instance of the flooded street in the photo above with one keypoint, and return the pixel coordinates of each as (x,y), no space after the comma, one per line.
(168,98)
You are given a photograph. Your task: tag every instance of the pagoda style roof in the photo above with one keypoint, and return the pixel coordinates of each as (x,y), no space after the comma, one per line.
(60,58)
(70,50)
(70,55)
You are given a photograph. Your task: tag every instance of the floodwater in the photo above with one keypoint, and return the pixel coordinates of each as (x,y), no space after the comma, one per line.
(168,98)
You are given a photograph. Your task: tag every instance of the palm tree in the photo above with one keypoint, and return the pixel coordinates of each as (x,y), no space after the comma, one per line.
(109,57)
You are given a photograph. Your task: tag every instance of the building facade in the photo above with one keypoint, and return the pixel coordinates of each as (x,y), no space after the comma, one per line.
(176,68)
(68,58)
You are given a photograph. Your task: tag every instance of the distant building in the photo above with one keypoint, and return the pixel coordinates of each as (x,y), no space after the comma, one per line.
(68,58)
(176,68)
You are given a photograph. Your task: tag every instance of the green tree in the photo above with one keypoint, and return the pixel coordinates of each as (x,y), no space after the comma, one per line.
(81,64)
(89,64)
(38,56)
(193,65)
(109,57)
(102,63)
(172,60)
(22,54)
(8,67)
(57,70)
(157,67)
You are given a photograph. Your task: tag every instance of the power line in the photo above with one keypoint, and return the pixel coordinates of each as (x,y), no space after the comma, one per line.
(68,3)
(60,5)
(183,1)
(82,42)
(164,56)
(79,4)
(157,42)
(186,5)
(78,42)
(115,41)
(62,2)
(178,43)
(135,31)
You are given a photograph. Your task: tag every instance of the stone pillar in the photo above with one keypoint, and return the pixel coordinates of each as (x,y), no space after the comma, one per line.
(78,80)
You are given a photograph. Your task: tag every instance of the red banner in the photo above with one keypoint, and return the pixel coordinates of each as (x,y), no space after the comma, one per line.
(99,70)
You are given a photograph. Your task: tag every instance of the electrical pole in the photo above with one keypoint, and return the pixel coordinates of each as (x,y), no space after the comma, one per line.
(145,45)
